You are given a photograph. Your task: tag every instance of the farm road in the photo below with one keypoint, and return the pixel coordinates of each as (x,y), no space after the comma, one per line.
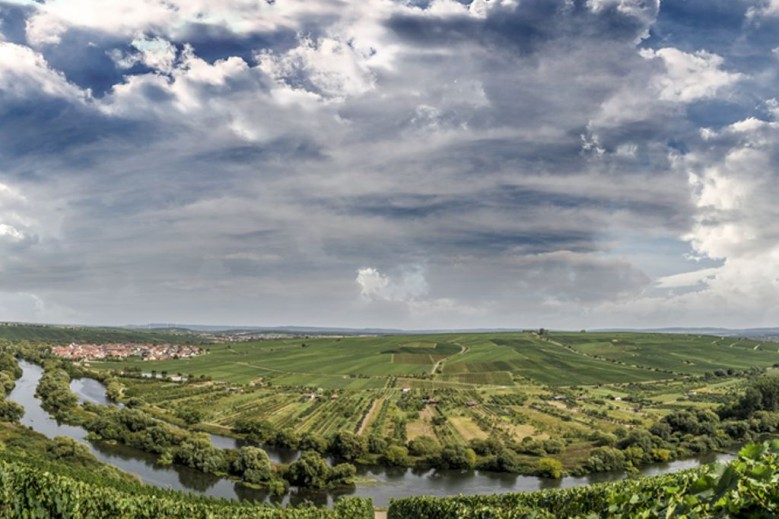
(463,349)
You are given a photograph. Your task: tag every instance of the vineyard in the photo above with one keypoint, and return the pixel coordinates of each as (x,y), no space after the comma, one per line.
(747,487)
(29,491)
(519,390)
(656,413)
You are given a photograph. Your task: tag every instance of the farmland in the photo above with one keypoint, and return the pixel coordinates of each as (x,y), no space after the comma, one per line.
(455,388)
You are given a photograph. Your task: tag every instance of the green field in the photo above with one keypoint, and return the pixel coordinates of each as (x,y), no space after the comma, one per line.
(494,359)
(684,354)
(516,384)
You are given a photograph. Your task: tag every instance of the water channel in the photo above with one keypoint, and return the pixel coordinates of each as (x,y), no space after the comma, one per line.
(387,482)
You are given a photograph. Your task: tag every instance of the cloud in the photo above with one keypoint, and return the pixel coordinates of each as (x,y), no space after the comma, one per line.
(409,285)
(332,68)
(734,179)
(688,279)
(690,76)
(387,163)
(764,8)
(23,70)
(410,290)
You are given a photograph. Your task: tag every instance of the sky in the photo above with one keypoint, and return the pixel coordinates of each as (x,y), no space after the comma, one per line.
(412,164)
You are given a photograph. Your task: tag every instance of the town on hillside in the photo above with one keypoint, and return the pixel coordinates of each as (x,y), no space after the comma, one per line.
(74,351)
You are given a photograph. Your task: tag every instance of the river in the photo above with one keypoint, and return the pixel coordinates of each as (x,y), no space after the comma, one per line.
(388,482)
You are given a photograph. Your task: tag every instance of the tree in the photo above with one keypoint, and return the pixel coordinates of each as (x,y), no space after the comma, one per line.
(486,447)
(189,415)
(456,457)
(396,455)
(348,446)
(257,431)
(424,446)
(605,459)
(252,464)
(342,474)
(312,442)
(376,444)
(761,395)
(508,461)
(549,468)
(197,452)
(309,471)
(10,411)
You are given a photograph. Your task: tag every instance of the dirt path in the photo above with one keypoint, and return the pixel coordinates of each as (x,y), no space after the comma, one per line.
(369,417)
(463,349)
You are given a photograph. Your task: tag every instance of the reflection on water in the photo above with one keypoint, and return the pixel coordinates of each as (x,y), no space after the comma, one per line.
(389,482)
(89,390)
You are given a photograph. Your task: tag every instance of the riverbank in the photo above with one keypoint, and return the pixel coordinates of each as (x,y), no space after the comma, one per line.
(389,483)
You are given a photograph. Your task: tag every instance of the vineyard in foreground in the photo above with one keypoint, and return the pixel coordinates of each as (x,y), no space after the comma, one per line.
(35,491)
(747,487)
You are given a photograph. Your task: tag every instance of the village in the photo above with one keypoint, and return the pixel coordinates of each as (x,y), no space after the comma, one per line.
(87,352)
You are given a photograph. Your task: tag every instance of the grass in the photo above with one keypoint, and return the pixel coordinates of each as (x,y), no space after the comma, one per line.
(466,428)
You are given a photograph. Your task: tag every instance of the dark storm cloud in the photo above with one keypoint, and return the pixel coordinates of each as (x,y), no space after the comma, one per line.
(524,29)
(44,127)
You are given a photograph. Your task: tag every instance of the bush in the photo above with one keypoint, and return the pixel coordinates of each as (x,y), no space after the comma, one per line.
(424,446)
(549,468)
(396,455)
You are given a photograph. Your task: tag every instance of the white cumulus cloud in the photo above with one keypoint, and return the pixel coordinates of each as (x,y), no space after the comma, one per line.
(690,76)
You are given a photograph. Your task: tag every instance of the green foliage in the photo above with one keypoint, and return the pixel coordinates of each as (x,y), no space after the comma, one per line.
(397,456)
(252,464)
(197,452)
(311,470)
(68,449)
(66,334)
(190,416)
(54,390)
(456,457)
(10,411)
(256,431)
(27,492)
(762,394)
(747,487)
(348,446)
(9,366)
(549,468)
(313,442)
(424,446)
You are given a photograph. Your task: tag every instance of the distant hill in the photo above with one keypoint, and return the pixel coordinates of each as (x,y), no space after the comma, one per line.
(86,334)
(312,330)
(294,330)
(752,333)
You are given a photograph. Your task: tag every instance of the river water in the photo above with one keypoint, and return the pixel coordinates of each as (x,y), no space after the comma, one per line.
(388,482)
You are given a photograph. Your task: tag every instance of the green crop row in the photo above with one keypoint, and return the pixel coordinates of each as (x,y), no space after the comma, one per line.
(747,487)
(29,492)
